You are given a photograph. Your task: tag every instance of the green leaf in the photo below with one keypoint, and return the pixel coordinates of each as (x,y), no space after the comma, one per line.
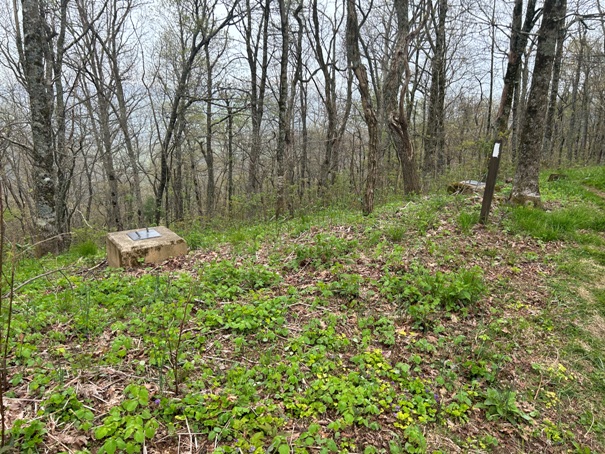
(110,446)
(139,436)
(150,428)
(331,445)
(101,432)
(84,414)
(283,449)
(143,396)
(130,405)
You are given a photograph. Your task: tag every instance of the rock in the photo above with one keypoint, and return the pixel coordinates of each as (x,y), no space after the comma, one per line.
(525,199)
(466,187)
(556,177)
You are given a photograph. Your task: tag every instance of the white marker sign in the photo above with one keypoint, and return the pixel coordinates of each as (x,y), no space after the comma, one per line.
(496,152)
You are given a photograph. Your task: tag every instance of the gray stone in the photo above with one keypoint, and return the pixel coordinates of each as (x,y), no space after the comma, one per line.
(466,187)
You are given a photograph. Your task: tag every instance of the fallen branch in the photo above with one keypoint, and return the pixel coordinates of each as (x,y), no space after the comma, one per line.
(30,280)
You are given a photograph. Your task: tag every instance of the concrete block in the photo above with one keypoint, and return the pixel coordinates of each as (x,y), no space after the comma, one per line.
(123,251)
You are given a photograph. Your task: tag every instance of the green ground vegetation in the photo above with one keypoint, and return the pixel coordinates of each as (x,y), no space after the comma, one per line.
(412,330)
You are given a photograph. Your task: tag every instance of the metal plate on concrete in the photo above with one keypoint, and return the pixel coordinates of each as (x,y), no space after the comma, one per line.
(143,234)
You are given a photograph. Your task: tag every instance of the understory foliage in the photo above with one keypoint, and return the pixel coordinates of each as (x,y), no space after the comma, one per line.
(412,330)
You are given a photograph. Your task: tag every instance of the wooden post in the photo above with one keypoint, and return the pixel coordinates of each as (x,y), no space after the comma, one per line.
(490,184)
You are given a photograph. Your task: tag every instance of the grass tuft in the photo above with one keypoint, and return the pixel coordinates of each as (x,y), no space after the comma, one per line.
(557,224)
(86,249)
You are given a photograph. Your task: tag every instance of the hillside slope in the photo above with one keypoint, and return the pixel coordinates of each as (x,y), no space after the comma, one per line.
(412,330)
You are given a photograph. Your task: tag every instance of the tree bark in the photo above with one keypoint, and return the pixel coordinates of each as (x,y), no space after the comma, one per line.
(303,182)
(572,132)
(394,101)
(258,84)
(547,146)
(518,42)
(230,158)
(209,152)
(98,78)
(283,136)
(354,56)
(38,73)
(435,143)
(526,185)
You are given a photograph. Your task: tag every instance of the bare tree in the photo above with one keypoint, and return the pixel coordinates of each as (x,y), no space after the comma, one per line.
(572,131)
(255,43)
(547,146)
(434,159)
(199,26)
(518,41)
(114,46)
(369,113)
(284,138)
(395,89)
(326,57)
(207,146)
(101,114)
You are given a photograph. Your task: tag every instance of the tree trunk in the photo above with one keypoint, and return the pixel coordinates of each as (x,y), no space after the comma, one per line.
(209,152)
(490,98)
(526,186)
(326,65)
(282,102)
(435,143)
(210,187)
(305,178)
(257,87)
(586,99)
(518,42)
(33,59)
(547,146)
(394,101)
(98,78)
(354,56)
(115,217)
(303,163)
(229,157)
(178,203)
(64,158)
(196,185)
(572,133)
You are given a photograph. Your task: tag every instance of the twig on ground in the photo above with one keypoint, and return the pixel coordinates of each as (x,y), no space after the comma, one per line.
(30,280)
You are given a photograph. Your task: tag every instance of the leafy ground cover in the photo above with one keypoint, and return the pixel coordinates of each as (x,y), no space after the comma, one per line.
(412,330)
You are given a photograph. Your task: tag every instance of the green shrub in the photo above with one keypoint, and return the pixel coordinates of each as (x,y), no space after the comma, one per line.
(225,280)
(395,233)
(346,286)
(424,293)
(324,251)
(503,405)
(466,220)
(26,437)
(86,249)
